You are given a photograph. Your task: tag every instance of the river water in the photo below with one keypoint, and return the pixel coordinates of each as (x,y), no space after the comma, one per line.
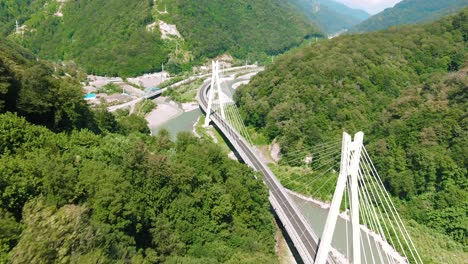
(185,121)
(182,123)
(316,217)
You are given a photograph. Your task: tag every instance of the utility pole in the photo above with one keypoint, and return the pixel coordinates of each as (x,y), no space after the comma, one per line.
(17,27)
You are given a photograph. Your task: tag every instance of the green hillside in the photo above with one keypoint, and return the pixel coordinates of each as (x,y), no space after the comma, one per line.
(123,37)
(98,189)
(405,88)
(410,12)
(44,96)
(329,15)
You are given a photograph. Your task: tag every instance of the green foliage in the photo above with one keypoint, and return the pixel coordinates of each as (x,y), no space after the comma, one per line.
(33,90)
(299,179)
(12,10)
(410,12)
(88,32)
(133,123)
(86,197)
(184,93)
(144,107)
(110,88)
(61,235)
(241,28)
(119,196)
(171,82)
(405,87)
(9,234)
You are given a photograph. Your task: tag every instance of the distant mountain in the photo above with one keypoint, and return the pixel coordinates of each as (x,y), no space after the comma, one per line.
(129,37)
(410,12)
(330,15)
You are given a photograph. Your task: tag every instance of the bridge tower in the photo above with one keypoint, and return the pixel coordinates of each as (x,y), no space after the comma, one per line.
(215,93)
(349,169)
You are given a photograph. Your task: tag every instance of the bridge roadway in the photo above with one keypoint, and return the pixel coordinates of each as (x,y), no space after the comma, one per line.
(133,102)
(301,234)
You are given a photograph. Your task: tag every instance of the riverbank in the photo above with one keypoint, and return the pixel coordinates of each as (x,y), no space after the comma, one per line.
(173,116)
(165,111)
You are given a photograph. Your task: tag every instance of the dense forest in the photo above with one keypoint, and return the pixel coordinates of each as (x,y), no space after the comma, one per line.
(14,10)
(244,28)
(329,15)
(112,38)
(35,91)
(410,12)
(80,185)
(406,88)
(88,33)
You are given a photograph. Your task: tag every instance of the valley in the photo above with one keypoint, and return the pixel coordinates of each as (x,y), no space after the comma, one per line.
(217,132)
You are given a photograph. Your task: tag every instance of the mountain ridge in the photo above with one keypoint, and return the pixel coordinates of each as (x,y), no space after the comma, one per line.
(86,32)
(331,16)
(410,12)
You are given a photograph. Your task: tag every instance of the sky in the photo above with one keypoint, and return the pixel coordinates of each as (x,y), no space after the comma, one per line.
(371,6)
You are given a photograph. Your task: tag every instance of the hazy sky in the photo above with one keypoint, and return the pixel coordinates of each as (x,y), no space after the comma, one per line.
(371,6)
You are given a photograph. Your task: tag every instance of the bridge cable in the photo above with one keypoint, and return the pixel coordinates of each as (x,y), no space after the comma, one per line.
(383,201)
(392,212)
(399,220)
(346,194)
(310,150)
(376,198)
(365,212)
(393,206)
(315,178)
(369,213)
(329,151)
(318,147)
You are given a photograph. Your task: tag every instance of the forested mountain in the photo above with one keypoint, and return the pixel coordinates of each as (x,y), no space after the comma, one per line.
(406,88)
(131,37)
(330,15)
(103,191)
(410,12)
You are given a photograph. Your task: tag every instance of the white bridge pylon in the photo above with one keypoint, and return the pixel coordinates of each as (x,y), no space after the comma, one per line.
(370,203)
(216,95)
(350,156)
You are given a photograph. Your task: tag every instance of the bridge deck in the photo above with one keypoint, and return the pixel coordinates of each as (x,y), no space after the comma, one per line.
(304,239)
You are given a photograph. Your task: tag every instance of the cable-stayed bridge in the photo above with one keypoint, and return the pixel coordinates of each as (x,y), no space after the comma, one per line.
(374,231)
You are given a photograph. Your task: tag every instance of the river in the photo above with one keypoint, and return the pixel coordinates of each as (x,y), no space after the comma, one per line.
(185,121)
(181,123)
(316,217)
